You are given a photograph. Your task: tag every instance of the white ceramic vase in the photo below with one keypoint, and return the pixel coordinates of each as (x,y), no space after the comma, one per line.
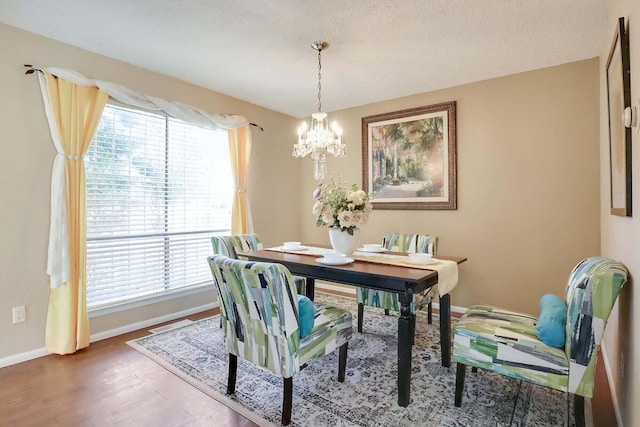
(343,242)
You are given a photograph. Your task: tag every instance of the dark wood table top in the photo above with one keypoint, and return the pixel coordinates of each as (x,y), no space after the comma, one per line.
(374,275)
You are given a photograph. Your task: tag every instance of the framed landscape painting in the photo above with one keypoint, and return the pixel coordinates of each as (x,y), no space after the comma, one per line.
(409,158)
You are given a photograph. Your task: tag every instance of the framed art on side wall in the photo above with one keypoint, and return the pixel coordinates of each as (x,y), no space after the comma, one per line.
(619,97)
(409,158)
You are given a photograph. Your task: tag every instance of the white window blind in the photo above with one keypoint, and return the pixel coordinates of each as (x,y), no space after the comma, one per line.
(157,190)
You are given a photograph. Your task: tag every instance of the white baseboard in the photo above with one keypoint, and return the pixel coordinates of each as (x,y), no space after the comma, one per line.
(612,388)
(151,322)
(40,352)
(338,288)
(23,357)
(351,290)
(454,308)
(588,413)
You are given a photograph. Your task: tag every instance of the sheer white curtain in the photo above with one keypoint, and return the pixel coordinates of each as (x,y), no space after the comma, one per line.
(178,110)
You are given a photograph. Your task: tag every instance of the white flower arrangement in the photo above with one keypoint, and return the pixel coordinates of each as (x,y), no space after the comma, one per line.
(336,207)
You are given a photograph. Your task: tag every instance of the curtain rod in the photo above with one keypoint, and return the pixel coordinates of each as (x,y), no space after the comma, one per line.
(32,69)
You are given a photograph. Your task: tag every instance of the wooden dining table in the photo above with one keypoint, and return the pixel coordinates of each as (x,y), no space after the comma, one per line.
(403,280)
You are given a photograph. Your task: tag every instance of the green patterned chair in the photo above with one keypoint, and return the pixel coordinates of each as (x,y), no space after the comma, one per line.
(230,245)
(260,318)
(388,300)
(506,342)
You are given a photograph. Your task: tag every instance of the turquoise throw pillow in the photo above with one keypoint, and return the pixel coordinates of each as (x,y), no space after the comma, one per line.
(552,322)
(307,315)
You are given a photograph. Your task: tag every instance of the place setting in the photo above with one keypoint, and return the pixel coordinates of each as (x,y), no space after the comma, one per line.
(292,246)
(420,259)
(334,258)
(298,248)
(374,248)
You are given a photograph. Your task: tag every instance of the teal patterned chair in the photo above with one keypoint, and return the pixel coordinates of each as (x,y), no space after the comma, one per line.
(506,342)
(261,322)
(388,300)
(230,245)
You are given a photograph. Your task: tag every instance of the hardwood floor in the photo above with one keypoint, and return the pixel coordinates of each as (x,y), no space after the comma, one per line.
(111,384)
(107,384)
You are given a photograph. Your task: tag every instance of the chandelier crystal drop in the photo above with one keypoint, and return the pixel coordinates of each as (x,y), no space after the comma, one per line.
(319,139)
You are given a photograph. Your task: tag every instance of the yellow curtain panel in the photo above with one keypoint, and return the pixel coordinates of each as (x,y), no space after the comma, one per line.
(74,113)
(240,149)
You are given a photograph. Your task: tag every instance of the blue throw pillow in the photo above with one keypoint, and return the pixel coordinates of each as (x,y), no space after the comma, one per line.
(307,315)
(553,320)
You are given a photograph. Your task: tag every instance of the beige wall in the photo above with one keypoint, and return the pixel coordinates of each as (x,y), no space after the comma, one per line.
(621,236)
(527,183)
(27,154)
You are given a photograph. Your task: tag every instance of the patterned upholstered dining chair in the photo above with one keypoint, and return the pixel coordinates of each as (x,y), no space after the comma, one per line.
(230,245)
(262,320)
(388,300)
(507,342)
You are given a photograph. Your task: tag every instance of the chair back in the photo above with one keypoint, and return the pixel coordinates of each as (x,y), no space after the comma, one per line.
(591,292)
(259,310)
(411,243)
(230,245)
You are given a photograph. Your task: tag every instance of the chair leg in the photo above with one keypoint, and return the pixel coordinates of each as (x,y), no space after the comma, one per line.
(460,371)
(360,315)
(386,311)
(413,328)
(233,370)
(287,401)
(578,409)
(429,314)
(342,361)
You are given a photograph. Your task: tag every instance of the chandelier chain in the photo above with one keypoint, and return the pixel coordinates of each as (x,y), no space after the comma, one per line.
(319,139)
(319,79)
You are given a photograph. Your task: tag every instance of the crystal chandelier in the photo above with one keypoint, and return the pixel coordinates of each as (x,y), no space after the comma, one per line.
(319,139)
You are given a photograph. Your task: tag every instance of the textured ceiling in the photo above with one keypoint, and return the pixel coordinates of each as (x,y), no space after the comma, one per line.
(259,50)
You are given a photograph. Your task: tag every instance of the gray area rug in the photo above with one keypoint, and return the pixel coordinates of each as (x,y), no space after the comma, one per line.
(368,397)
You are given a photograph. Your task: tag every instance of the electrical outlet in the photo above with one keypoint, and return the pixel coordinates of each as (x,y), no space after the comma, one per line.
(19,314)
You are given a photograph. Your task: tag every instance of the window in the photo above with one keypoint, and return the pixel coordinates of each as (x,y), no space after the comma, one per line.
(157,190)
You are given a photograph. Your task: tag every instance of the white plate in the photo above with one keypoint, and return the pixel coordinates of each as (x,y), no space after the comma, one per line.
(375,251)
(411,262)
(325,261)
(301,248)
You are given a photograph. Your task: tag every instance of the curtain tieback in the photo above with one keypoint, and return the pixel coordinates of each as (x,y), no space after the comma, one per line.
(240,190)
(70,157)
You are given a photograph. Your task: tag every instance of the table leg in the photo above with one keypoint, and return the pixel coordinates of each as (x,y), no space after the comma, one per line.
(405,340)
(311,288)
(445,330)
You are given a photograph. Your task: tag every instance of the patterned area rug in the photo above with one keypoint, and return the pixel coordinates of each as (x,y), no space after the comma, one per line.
(368,397)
